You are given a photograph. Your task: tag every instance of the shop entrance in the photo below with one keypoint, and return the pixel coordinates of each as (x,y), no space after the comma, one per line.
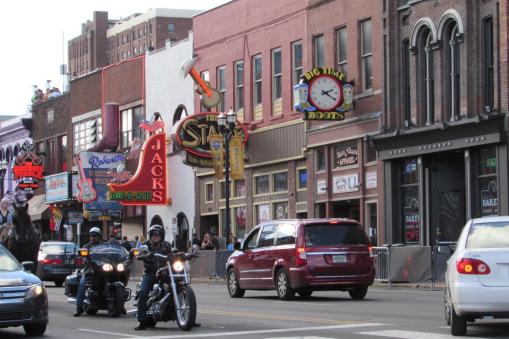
(346,209)
(446,196)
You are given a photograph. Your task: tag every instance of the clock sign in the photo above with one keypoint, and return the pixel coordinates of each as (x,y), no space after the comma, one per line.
(323,94)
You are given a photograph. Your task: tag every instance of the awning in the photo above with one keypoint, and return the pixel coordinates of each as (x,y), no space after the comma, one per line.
(37,206)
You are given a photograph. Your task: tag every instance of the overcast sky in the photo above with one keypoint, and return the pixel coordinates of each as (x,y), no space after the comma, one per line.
(33,33)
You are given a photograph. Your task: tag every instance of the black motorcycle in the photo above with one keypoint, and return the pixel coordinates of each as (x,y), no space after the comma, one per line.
(171,297)
(106,285)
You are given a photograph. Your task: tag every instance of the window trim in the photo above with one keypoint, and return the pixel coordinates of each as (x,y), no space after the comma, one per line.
(209,183)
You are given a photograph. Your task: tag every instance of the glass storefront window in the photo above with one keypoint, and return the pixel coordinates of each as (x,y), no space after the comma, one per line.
(240,222)
(262,213)
(487,161)
(487,181)
(411,223)
(409,172)
(280,210)
(240,188)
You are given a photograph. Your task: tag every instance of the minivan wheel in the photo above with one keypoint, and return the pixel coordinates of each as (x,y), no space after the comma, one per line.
(358,293)
(234,289)
(305,292)
(283,287)
(458,323)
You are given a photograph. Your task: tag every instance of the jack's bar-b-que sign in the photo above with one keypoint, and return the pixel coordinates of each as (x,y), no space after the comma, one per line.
(149,185)
(193,133)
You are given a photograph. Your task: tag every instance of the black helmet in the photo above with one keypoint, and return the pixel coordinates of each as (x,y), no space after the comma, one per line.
(156,229)
(95,231)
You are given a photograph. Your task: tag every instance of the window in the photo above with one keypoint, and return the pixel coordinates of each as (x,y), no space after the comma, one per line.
(252,240)
(222,192)
(209,192)
(240,221)
(346,155)
(139,33)
(318,51)
(205,76)
(296,62)
(487,181)
(302,179)
(86,134)
(410,201)
(425,78)
(280,210)
(452,56)
(144,31)
(51,116)
(262,213)
(280,182)
(405,81)
(123,40)
(62,153)
(334,234)
(257,80)
(366,55)
(221,86)
(342,47)
(372,221)
(285,234)
(267,236)
(131,119)
(488,65)
(239,188)
(51,157)
(370,152)
(488,235)
(239,87)
(276,74)
(262,184)
(320,159)
(171,27)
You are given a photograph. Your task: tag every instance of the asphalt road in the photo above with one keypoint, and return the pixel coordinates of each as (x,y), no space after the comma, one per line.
(411,314)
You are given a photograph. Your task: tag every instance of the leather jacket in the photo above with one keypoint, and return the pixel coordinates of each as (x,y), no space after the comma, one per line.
(152,264)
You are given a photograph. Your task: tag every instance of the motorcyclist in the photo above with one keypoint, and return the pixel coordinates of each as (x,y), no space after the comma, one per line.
(155,244)
(95,239)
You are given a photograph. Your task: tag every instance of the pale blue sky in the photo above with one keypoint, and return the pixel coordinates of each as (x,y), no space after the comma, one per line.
(31,52)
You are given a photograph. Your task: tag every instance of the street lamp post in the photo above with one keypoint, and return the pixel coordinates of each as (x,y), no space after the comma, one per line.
(3,171)
(226,124)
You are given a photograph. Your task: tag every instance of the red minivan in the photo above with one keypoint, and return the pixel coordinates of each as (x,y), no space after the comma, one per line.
(303,256)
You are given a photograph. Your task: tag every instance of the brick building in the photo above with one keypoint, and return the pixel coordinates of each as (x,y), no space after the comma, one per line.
(105,41)
(254,58)
(443,141)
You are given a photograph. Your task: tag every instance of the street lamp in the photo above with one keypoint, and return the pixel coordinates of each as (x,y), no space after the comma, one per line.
(226,124)
(3,170)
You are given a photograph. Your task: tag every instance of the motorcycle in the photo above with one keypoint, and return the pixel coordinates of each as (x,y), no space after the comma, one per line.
(171,297)
(106,284)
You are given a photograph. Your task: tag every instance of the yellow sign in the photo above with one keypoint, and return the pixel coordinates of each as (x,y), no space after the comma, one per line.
(237,157)
(216,149)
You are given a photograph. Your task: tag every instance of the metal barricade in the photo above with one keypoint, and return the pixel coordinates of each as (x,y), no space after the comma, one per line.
(382,256)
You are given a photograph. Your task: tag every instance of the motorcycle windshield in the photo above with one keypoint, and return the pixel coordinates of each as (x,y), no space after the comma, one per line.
(111,253)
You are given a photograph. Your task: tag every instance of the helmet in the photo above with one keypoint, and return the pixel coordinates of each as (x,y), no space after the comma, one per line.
(156,229)
(95,231)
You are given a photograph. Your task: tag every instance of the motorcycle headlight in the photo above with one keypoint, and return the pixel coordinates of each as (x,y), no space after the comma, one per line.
(35,291)
(178,266)
(107,267)
(120,267)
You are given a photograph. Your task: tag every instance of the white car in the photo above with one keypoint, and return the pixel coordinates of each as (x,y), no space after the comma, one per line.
(477,277)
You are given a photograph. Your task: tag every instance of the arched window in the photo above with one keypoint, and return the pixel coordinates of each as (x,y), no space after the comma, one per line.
(405,82)
(425,78)
(452,70)
(16,150)
(8,154)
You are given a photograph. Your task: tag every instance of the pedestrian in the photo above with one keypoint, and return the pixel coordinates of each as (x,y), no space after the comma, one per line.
(126,244)
(136,242)
(231,242)
(208,242)
(196,242)
(6,214)
(141,241)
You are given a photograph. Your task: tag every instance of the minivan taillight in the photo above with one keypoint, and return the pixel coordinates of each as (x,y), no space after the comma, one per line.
(300,256)
(472,266)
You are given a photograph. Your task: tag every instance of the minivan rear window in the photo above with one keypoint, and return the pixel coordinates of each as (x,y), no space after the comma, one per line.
(334,234)
(488,235)
(56,249)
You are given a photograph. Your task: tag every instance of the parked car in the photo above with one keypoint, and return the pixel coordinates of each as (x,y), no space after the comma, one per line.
(302,256)
(477,276)
(57,260)
(23,298)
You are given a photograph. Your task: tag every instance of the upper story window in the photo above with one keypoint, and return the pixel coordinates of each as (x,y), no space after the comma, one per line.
(171,27)
(296,62)
(452,70)
(205,76)
(318,51)
(86,134)
(239,87)
(342,47)
(221,87)
(276,80)
(405,81)
(366,55)
(425,81)
(257,86)
(488,65)
(131,119)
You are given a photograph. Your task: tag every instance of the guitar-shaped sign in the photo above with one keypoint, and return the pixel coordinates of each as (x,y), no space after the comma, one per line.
(86,188)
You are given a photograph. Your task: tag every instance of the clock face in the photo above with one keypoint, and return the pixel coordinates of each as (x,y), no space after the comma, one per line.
(325,93)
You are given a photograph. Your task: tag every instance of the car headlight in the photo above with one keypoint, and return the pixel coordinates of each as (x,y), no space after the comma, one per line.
(107,267)
(35,291)
(178,266)
(120,267)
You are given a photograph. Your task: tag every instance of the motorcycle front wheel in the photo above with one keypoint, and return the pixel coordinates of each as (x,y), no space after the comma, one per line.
(186,315)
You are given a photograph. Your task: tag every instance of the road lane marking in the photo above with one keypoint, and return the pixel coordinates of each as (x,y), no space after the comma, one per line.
(104,332)
(278,317)
(407,334)
(277,330)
